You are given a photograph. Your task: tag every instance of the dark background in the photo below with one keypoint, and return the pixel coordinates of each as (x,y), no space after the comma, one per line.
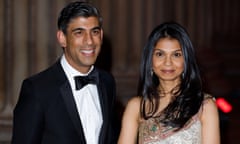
(28,45)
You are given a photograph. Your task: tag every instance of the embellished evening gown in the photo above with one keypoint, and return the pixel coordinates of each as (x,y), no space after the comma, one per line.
(151,131)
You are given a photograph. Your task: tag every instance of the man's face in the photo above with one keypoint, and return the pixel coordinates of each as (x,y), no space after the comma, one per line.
(82,42)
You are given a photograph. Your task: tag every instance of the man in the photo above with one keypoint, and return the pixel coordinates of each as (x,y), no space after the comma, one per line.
(54,106)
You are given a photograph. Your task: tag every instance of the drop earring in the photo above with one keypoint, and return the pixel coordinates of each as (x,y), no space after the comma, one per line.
(182,75)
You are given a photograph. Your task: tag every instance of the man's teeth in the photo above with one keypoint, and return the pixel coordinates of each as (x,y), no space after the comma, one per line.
(87,51)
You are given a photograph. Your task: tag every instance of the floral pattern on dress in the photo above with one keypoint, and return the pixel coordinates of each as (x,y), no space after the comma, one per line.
(153,132)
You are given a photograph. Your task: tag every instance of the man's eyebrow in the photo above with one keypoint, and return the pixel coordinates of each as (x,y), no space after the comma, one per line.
(79,29)
(98,27)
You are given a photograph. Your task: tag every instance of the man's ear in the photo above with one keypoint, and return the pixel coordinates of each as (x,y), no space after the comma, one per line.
(61,38)
(102,35)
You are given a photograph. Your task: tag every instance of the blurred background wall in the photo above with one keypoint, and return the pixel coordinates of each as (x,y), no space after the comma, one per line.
(28,45)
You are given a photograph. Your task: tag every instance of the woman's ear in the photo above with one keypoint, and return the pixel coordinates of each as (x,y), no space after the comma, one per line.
(61,38)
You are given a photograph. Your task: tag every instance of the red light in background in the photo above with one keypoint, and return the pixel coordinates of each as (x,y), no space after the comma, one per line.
(224,105)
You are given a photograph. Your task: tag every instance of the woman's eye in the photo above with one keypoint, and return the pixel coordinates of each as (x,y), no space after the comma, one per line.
(178,54)
(159,54)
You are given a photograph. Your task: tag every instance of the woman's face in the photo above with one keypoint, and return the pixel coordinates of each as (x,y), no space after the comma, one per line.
(168,60)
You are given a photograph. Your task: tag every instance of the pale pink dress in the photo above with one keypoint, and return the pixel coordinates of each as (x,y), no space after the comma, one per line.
(152,132)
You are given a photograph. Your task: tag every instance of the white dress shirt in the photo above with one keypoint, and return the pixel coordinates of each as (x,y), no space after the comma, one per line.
(88,105)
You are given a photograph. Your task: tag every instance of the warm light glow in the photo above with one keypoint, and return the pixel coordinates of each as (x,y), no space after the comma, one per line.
(224,105)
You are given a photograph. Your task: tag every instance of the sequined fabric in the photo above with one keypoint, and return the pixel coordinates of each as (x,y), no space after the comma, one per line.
(152,132)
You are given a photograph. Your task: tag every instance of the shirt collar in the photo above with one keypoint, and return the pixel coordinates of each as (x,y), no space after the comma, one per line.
(72,71)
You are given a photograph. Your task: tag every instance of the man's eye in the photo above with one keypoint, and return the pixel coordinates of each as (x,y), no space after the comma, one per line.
(96,32)
(77,33)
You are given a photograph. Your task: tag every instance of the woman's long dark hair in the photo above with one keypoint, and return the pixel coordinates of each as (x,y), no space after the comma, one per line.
(188,98)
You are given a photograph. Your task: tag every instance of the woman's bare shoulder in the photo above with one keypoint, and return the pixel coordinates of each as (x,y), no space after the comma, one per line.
(209,100)
(209,107)
(133,106)
(134,103)
(130,121)
(136,100)
(210,121)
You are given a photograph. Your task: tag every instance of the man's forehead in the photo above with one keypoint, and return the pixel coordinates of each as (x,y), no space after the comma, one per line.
(84,23)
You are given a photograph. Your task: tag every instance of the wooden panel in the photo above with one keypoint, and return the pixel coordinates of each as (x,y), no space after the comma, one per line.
(121,35)
(136,42)
(2,82)
(20,44)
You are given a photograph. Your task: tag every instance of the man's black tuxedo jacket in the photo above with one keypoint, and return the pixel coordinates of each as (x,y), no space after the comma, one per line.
(46,112)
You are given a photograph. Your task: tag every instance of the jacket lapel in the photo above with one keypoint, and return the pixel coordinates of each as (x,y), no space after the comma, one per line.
(72,109)
(102,92)
(68,98)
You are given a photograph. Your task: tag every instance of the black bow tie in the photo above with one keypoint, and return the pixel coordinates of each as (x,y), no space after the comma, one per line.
(81,81)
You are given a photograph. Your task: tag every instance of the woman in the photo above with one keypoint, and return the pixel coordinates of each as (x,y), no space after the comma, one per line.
(171,106)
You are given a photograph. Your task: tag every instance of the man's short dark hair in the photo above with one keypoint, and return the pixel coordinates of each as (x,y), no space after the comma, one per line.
(76,9)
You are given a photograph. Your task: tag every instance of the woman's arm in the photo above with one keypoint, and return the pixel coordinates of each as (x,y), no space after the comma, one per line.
(210,123)
(130,120)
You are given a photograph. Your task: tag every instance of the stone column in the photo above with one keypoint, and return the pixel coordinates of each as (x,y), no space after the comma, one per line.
(6,70)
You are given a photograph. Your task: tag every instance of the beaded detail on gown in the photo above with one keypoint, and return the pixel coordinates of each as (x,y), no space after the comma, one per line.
(151,132)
